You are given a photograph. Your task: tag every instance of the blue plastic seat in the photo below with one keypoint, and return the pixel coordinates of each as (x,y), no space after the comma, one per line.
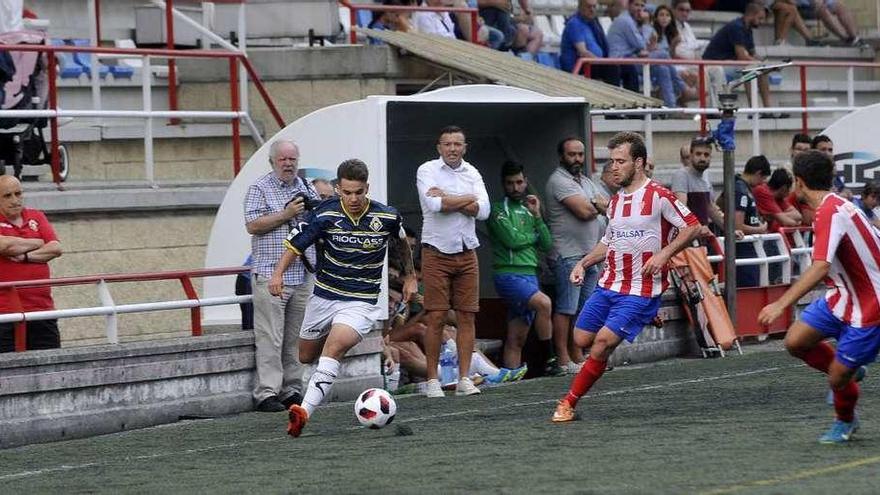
(67,67)
(364,17)
(85,59)
(121,71)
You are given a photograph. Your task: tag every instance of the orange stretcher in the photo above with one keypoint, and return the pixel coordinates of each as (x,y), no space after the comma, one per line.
(703,301)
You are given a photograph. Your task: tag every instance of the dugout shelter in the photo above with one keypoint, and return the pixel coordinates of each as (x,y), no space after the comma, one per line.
(394,135)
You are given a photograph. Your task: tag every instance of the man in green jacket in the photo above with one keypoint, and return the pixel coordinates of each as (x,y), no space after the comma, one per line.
(518,233)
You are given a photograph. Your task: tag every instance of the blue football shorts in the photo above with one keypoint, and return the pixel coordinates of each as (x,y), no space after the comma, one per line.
(855,346)
(516,290)
(623,314)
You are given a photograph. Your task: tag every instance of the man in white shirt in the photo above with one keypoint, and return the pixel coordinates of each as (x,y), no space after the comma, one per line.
(452,196)
(689,47)
(439,23)
(10,16)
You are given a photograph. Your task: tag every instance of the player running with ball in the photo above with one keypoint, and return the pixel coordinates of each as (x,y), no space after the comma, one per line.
(846,255)
(636,248)
(342,310)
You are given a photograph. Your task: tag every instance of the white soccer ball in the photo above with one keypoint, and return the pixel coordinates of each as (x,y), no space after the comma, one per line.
(375,408)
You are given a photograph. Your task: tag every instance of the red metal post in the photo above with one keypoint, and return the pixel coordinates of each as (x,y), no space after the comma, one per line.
(263,92)
(55,159)
(352,35)
(172,66)
(195,313)
(701,90)
(236,106)
(588,69)
(474,28)
(19,334)
(804,123)
(98,20)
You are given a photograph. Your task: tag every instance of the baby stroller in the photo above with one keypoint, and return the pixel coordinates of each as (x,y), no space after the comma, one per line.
(24,80)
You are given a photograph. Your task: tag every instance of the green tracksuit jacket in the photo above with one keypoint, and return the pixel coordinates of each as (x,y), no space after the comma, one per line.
(516,236)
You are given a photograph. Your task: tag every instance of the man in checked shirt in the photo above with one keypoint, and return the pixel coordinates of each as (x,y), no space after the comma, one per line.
(272,204)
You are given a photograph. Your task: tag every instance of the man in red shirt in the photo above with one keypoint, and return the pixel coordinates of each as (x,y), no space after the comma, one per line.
(773,203)
(27,243)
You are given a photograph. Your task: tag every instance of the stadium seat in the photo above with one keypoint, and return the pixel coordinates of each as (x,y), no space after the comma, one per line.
(556,4)
(570,5)
(85,61)
(120,71)
(539,5)
(558,23)
(364,17)
(67,67)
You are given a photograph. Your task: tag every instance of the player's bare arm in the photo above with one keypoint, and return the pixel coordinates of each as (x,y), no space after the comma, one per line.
(276,283)
(684,238)
(595,256)
(410,282)
(813,276)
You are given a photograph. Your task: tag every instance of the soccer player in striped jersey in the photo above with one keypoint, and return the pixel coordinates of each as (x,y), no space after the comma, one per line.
(846,255)
(642,217)
(356,232)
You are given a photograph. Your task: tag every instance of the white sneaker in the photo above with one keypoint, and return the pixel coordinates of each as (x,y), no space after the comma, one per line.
(466,387)
(573,368)
(433,389)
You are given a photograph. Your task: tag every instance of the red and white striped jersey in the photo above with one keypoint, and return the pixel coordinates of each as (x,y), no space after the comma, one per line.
(847,240)
(639,226)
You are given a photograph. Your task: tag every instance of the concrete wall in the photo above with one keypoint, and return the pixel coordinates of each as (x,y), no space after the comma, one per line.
(71,393)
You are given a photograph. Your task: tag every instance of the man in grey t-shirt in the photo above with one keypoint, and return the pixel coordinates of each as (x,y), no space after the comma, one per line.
(692,187)
(573,209)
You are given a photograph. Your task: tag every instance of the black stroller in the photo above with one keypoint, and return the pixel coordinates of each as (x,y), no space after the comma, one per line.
(24,81)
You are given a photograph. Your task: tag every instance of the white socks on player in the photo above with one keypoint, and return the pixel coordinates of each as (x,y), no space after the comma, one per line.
(320,383)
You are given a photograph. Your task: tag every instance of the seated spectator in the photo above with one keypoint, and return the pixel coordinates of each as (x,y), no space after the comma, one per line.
(684,155)
(689,48)
(672,86)
(389,21)
(627,40)
(243,288)
(436,23)
(604,180)
(836,16)
(785,16)
(773,204)
(584,37)
(520,34)
(11,16)
(734,41)
(748,221)
(869,201)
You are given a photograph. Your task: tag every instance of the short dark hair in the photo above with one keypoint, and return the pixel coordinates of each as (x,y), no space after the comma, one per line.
(814,168)
(676,3)
(451,129)
(779,179)
(560,146)
(510,168)
(636,143)
(753,8)
(872,188)
(820,138)
(758,164)
(801,138)
(701,141)
(353,169)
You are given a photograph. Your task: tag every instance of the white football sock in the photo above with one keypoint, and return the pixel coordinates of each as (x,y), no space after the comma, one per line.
(481,365)
(320,383)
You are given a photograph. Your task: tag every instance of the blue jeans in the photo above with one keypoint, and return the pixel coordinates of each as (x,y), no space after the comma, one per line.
(569,297)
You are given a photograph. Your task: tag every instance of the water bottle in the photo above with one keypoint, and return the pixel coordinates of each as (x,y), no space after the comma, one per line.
(392,377)
(448,366)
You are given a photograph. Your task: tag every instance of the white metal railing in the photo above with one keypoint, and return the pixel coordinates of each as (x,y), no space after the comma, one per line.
(761,259)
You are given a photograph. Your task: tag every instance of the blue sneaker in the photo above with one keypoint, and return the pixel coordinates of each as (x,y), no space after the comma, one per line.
(517,374)
(503,375)
(840,432)
(859,375)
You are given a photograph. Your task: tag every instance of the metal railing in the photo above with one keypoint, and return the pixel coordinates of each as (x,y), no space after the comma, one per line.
(584,65)
(235,114)
(353,8)
(109,308)
(761,259)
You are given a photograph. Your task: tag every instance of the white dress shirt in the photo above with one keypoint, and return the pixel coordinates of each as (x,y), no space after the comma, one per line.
(450,232)
(439,23)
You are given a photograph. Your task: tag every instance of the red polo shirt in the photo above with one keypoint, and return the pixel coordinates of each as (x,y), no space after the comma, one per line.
(768,205)
(34,226)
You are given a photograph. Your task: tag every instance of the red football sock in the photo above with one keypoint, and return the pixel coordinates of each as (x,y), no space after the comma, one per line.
(845,401)
(819,357)
(586,377)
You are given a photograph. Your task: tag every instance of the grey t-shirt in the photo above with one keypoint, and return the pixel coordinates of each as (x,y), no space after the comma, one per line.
(571,235)
(698,189)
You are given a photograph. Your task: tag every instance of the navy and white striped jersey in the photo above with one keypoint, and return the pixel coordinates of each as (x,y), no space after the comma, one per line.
(350,264)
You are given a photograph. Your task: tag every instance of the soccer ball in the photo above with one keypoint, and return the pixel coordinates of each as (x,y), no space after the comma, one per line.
(375,408)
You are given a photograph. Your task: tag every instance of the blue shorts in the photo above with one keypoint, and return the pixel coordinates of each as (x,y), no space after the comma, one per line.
(625,315)
(855,346)
(516,290)
(569,297)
